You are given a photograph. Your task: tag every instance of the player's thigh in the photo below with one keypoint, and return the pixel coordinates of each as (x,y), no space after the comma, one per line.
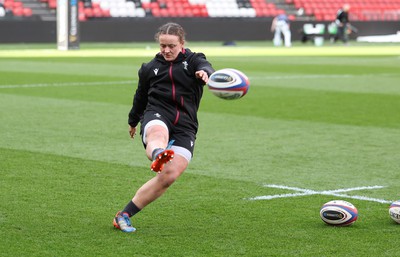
(155,131)
(151,124)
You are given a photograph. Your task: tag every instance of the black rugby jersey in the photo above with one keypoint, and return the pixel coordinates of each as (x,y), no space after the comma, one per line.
(171,88)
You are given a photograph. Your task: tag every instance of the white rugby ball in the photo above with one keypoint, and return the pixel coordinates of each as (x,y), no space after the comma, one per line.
(394,211)
(338,213)
(228,84)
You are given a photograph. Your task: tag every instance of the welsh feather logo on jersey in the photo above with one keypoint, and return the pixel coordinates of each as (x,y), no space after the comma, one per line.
(185,65)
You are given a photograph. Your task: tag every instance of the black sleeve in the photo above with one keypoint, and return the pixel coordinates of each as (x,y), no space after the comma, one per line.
(200,63)
(139,99)
(339,15)
(342,17)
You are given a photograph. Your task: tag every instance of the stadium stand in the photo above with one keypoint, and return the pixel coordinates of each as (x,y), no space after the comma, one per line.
(186,8)
(89,9)
(16,8)
(308,10)
(361,10)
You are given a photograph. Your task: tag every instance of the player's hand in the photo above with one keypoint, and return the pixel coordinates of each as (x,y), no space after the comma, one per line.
(132,132)
(200,74)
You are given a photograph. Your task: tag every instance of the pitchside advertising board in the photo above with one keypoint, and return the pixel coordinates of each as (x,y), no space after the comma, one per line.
(67,24)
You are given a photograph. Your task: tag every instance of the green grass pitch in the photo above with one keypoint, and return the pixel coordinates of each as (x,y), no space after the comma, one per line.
(315,118)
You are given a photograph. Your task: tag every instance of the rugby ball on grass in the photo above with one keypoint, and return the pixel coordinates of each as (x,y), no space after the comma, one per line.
(338,213)
(394,211)
(228,84)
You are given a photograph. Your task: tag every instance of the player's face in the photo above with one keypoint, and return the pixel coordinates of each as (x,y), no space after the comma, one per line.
(170,46)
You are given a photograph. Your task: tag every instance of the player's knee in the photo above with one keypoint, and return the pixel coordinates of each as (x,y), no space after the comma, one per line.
(168,178)
(170,174)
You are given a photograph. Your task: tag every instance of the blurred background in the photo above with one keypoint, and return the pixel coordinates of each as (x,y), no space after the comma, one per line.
(24,21)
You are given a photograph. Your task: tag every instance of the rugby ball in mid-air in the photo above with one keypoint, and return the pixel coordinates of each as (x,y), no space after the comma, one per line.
(338,213)
(228,84)
(394,211)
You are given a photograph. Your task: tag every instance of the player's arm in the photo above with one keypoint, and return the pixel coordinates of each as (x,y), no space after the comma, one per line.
(273,24)
(203,69)
(139,102)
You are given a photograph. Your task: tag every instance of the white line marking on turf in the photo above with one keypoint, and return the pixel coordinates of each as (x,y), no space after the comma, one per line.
(316,76)
(303,77)
(304,192)
(68,84)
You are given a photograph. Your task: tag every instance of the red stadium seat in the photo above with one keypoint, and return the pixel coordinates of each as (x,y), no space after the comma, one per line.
(88,12)
(97,12)
(17,5)
(155,12)
(106,13)
(27,12)
(18,11)
(82,16)
(52,4)
(8,5)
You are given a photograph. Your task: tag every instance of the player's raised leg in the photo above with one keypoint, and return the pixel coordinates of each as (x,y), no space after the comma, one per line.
(157,186)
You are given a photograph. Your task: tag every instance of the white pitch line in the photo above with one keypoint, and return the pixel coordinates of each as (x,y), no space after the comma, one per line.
(304,192)
(315,76)
(269,197)
(364,198)
(289,188)
(303,77)
(354,189)
(67,84)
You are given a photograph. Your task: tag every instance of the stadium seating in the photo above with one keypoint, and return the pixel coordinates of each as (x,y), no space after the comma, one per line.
(17,8)
(188,8)
(319,10)
(89,9)
(361,10)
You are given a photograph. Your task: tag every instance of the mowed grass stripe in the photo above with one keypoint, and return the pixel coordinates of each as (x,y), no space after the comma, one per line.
(389,50)
(350,108)
(62,86)
(73,67)
(364,84)
(67,84)
(387,82)
(288,99)
(378,110)
(69,127)
(70,203)
(292,152)
(258,149)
